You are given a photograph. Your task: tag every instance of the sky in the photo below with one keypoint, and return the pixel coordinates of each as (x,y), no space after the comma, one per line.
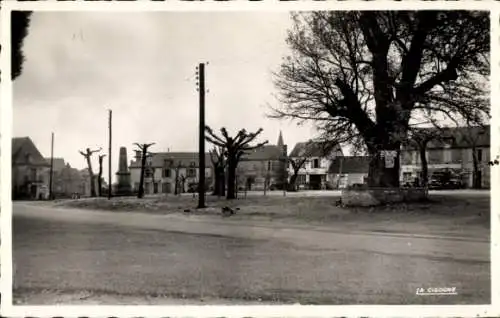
(143,67)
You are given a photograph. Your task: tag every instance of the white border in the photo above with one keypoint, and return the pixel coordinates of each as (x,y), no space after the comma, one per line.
(7,309)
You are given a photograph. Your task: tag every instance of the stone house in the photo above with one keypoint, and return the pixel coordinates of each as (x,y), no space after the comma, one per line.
(263,167)
(314,174)
(67,181)
(346,171)
(29,171)
(454,151)
(161,169)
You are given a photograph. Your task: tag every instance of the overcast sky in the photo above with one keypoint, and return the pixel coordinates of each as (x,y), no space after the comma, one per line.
(142,66)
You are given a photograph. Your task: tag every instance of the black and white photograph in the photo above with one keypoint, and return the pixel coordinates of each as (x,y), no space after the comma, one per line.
(229,158)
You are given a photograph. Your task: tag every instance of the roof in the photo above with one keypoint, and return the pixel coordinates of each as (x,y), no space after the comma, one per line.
(24,151)
(266,152)
(186,159)
(59,163)
(350,164)
(312,149)
(459,137)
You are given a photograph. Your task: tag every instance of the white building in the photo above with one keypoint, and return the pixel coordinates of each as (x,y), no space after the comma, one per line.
(314,172)
(162,170)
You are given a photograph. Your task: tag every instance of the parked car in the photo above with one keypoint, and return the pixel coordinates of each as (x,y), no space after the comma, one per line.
(445,180)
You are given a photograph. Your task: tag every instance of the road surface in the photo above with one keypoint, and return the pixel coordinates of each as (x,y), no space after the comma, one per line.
(61,255)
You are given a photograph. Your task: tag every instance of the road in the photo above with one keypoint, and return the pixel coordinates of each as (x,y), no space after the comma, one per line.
(64,253)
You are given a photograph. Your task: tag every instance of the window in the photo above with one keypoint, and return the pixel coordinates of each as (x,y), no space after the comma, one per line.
(155,187)
(136,186)
(167,173)
(191,173)
(192,164)
(316,163)
(33,174)
(480,155)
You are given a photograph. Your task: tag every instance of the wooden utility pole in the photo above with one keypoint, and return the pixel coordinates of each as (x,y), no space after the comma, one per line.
(201,183)
(110,183)
(51,166)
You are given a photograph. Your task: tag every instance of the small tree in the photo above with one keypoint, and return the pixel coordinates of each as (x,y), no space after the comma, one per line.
(99,180)
(177,178)
(420,138)
(87,155)
(143,148)
(235,148)
(219,163)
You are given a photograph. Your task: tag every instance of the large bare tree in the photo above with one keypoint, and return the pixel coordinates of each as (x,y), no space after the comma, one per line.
(235,147)
(87,155)
(143,149)
(368,76)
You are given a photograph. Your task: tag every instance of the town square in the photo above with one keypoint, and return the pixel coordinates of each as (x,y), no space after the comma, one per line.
(251,158)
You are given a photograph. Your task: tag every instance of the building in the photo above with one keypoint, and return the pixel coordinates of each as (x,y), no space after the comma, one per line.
(454,151)
(29,170)
(162,168)
(263,166)
(349,170)
(314,172)
(66,180)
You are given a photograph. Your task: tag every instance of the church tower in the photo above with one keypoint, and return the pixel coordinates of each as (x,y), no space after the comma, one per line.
(280,140)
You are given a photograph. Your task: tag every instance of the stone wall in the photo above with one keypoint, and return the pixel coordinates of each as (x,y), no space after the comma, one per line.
(379,196)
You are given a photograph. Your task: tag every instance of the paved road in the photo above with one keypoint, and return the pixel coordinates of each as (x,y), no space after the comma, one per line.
(392,259)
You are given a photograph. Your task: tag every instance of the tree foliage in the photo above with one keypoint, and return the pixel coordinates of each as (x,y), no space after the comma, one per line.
(20,21)
(234,149)
(366,77)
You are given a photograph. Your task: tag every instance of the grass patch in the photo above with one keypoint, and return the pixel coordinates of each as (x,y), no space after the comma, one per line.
(442,214)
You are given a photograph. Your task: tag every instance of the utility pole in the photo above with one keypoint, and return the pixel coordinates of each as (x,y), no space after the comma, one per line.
(201,183)
(110,183)
(51,166)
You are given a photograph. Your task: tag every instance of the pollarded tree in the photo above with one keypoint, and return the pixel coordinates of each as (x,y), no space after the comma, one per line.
(235,147)
(369,75)
(87,155)
(143,149)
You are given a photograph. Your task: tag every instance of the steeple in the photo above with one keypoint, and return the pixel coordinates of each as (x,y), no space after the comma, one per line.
(280,140)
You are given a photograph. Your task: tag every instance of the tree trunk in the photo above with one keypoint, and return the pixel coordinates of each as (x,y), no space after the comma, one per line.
(380,176)
(475,172)
(141,180)
(176,190)
(425,168)
(219,187)
(231,180)
(293,179)
(91,177)
(99,180)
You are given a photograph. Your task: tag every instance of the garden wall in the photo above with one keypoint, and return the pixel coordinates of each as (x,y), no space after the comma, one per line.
(379,196)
